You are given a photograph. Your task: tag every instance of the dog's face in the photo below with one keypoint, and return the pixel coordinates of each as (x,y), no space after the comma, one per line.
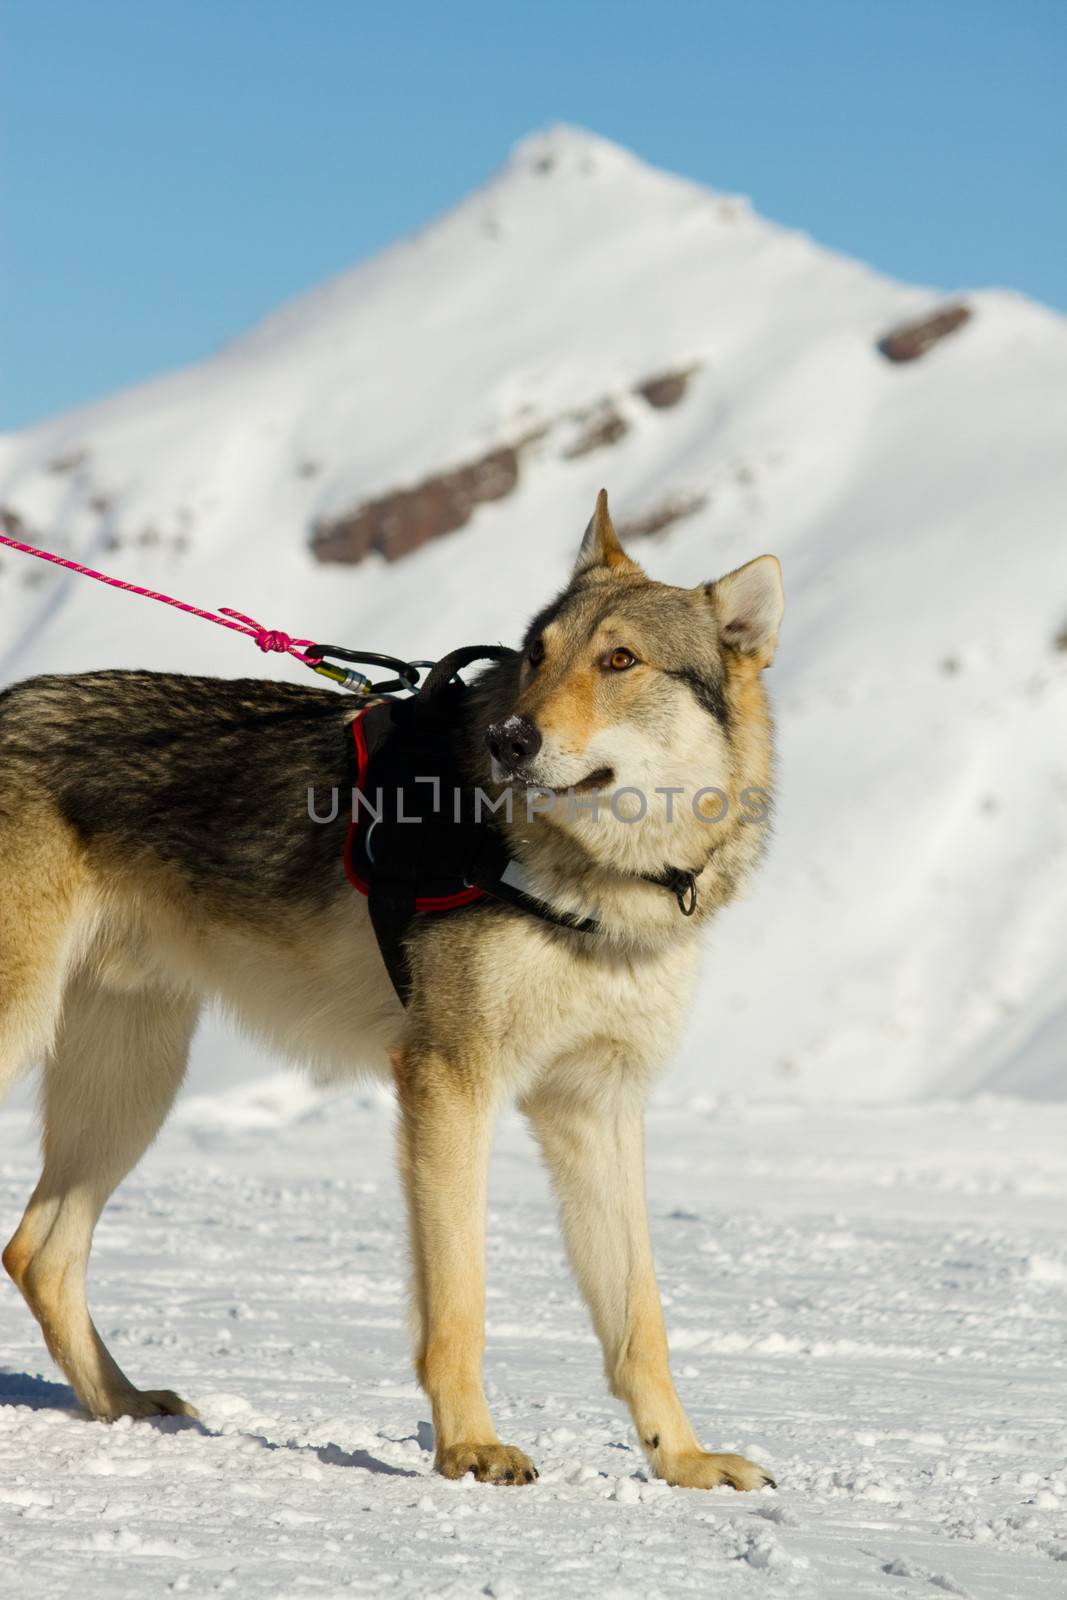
(630,685)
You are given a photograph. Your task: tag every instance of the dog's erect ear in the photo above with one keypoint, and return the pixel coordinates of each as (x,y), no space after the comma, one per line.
(749,604)
(601,547)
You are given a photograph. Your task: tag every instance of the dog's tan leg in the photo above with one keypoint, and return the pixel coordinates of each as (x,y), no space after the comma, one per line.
(446,1123)
(41,887)
(108,1083)
(594,1145)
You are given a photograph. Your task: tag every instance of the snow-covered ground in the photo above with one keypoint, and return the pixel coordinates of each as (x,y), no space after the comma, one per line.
(868,1301)
(867,1297)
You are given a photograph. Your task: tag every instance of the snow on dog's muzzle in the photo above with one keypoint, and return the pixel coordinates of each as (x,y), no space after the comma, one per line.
(513,742)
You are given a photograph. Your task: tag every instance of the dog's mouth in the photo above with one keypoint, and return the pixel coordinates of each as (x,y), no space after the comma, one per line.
(599,779)
(525,776)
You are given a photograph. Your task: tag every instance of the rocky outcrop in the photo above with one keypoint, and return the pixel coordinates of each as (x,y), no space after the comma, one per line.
(666,389)
(662,516)
(395,524)
(914,339)
(602,426)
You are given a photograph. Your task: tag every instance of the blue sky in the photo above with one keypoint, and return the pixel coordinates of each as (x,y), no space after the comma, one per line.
(172,171)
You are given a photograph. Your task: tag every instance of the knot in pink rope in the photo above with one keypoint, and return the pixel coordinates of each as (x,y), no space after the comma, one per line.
(270,639)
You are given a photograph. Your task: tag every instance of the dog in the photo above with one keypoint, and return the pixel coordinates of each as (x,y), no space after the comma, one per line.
(158,850)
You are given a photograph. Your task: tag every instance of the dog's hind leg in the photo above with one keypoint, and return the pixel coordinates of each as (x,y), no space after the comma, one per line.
(42,890)
(593,1140)
(109,1080)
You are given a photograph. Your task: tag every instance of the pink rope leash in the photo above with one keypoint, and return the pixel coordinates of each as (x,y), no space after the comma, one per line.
(268,639)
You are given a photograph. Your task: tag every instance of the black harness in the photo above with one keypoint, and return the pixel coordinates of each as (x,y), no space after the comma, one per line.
(422,842)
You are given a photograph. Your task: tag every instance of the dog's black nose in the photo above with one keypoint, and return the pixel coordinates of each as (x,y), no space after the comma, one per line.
(513,741)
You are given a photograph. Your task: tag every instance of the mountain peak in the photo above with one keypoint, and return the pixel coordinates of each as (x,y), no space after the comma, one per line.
(563,147)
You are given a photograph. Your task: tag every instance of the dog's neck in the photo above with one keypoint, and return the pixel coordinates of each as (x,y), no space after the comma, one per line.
(619,892)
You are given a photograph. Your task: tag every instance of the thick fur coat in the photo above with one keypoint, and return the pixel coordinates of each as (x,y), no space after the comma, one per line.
(157,852)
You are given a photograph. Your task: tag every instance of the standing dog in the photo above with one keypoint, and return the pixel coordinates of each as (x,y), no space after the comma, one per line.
(157,849)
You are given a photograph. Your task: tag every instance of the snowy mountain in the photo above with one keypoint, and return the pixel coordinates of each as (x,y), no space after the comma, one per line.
(585,319)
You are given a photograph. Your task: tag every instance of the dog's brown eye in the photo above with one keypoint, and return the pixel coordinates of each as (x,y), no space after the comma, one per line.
(536,653)
(621,659)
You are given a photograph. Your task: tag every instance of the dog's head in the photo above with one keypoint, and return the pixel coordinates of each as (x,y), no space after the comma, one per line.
(627,688)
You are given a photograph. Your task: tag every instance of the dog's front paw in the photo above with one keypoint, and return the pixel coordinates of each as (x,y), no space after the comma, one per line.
(143,1403)
(490,1463)
(701,1469)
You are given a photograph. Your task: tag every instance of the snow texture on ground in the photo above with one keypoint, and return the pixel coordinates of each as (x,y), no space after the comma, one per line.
(868,1301)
